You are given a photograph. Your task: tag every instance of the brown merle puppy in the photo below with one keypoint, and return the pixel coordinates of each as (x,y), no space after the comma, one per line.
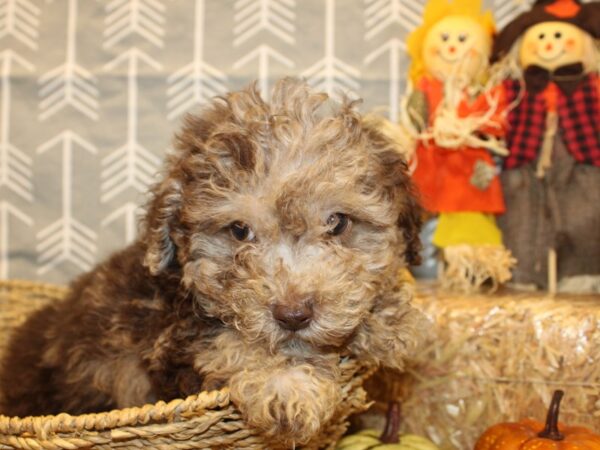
(270,249)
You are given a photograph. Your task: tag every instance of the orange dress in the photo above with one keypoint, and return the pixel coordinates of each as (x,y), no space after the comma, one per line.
(443,176)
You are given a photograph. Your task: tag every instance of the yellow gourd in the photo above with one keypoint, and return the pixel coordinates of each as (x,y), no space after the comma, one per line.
(390,439)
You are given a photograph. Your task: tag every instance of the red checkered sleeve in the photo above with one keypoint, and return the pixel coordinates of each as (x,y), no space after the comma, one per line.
(580,121)
(526,122)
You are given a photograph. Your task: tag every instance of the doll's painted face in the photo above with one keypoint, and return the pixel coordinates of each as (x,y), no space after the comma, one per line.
(552,44)
(456,46)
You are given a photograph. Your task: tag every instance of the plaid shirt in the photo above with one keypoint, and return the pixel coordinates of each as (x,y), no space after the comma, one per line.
(579,123)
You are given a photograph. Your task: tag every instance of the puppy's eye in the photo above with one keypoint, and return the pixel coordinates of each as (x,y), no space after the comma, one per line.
(242,232)
(337,223)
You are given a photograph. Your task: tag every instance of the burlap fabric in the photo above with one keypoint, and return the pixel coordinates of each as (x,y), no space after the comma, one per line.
(561,211)
(207,420)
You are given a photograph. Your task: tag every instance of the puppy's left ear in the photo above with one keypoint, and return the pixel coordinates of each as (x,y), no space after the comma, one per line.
(391,148)
(161,215)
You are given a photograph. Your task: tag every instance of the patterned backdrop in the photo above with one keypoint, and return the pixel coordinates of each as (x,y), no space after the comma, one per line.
(92,90)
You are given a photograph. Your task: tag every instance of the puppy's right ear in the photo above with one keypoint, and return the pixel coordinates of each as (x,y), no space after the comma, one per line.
(161,216)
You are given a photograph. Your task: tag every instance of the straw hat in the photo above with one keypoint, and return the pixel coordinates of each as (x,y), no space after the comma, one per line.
(583,15)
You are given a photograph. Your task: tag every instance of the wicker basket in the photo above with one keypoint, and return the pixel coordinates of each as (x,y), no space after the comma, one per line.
(204,421)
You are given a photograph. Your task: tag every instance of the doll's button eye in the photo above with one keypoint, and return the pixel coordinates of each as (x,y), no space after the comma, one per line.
(542,35)
(462,37)
(558,35)
(445,37)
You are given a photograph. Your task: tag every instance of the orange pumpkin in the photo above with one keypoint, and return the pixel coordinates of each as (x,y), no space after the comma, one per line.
(529,434)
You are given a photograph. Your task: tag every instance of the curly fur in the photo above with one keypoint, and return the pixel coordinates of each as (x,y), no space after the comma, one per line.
(188,307)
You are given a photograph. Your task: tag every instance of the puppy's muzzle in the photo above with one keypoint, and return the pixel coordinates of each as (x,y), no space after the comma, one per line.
(293,317)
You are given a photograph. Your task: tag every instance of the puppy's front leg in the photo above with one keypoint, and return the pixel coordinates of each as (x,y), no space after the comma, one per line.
(291,402)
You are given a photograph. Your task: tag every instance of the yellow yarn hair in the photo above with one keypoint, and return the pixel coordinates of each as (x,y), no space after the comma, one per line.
(436,10)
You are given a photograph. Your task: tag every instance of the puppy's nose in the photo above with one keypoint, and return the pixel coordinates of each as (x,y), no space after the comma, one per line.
(293,317)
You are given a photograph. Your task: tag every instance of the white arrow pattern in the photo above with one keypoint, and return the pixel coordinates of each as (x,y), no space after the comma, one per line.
(66,240)
(15,165)
(263,54)
(130,213)
(396,49)
(97,66)
(330,74)
(69,83)
(6,211)
(381,14)
(141,17)
(198,81)
(274,16)
(20,19)
(131,165)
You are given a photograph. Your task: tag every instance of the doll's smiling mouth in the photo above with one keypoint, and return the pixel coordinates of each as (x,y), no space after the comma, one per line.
(449,60)
(562,52)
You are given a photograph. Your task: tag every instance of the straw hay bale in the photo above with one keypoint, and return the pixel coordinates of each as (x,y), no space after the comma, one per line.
(498,358)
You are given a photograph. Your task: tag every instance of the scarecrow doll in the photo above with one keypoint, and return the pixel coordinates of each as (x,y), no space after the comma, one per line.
(551,179)
(457,123)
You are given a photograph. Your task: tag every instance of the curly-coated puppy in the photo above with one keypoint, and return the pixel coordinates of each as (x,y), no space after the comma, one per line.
(270,249)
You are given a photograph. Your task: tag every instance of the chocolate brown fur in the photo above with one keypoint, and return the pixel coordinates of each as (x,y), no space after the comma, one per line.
(188,307)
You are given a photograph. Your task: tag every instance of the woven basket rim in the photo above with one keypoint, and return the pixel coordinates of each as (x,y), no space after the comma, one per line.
(158,412)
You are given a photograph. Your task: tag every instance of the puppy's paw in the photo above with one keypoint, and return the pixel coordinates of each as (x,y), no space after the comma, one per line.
(289,404)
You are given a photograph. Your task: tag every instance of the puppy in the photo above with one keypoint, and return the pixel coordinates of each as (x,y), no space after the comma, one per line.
(269,250)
